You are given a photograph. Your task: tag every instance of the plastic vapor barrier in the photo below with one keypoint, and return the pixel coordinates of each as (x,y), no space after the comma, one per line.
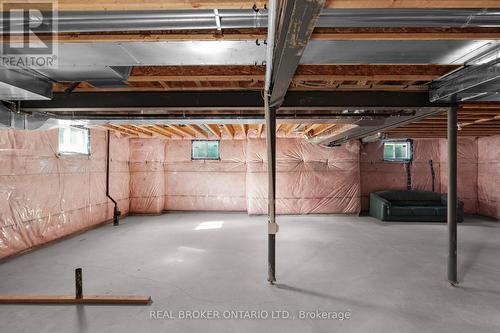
(378,175)
(147,178)
(45,196)
(488,182)
(206,184)
(467,170)
(309,178)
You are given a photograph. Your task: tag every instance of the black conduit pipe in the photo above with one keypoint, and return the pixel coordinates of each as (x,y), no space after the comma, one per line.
(433,174)
(116,211)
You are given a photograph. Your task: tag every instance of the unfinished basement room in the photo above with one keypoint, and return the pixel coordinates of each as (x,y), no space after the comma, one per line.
(250,166)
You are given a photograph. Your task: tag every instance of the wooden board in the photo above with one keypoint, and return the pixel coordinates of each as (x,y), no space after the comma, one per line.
(108,5)
(65,299)
(252,34)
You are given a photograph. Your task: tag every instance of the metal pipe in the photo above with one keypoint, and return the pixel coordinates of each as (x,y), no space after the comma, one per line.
(452,195)
(78,283)
(271,194)
(248,18)
(433,175)
(116,211)
(270,115)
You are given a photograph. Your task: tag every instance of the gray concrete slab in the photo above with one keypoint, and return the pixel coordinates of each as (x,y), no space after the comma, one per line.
(390,276)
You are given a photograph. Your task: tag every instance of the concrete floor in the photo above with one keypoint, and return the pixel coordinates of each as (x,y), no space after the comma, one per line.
(390,276)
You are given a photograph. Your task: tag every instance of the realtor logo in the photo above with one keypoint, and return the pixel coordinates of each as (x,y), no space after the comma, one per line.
(28,34)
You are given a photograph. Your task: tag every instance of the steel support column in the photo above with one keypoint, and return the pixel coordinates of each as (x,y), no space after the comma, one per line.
(452,195)
(290,26)
(271,174)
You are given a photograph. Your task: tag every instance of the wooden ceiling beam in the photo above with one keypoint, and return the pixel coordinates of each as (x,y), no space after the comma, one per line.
(121,130)
(198,130)
(243,128)
(323,129)
(481,106)
(430,129)
(260,127)
(214,129)
(131,129)
(371,72)
(142,130)
(156,129)
(321,34)
(165,128)
(311,128)
(180,131)
(122,5)
(240,87)
(180,78)
(128,5)
(291,129)
(418,4)
(229,129)
(114,130)
(407,33)
(314,77)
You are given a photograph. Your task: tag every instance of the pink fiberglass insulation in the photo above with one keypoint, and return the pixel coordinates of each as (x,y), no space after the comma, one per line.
(310,178)
(467,170)
(378,175)
(488,181)
(147,178)
(205,184)
(45,196)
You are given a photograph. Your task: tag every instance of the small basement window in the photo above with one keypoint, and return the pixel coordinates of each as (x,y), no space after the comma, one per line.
(74,140)
(205,150)
(398,150)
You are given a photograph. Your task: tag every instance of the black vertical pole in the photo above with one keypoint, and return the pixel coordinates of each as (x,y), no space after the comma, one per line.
(452,195)
(78,283)
(433,174)
(116,211)
(271,196)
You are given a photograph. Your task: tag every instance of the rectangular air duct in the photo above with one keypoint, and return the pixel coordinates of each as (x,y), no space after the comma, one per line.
(21,85)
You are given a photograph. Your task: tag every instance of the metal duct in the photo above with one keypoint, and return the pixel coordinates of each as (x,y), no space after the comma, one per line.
(21,120)
(90,59)
(238,19)
(479,78)
(391,122)
(23,85)
(361,18)
(157,20)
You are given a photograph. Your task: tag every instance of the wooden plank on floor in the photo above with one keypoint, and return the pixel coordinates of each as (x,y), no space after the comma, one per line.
(66,299)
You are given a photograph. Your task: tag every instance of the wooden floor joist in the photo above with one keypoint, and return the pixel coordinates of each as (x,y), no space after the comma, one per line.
(252,34)
(475,120)
(406,72)
(374,77)
(418,4)
(121,5)
(398,33)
